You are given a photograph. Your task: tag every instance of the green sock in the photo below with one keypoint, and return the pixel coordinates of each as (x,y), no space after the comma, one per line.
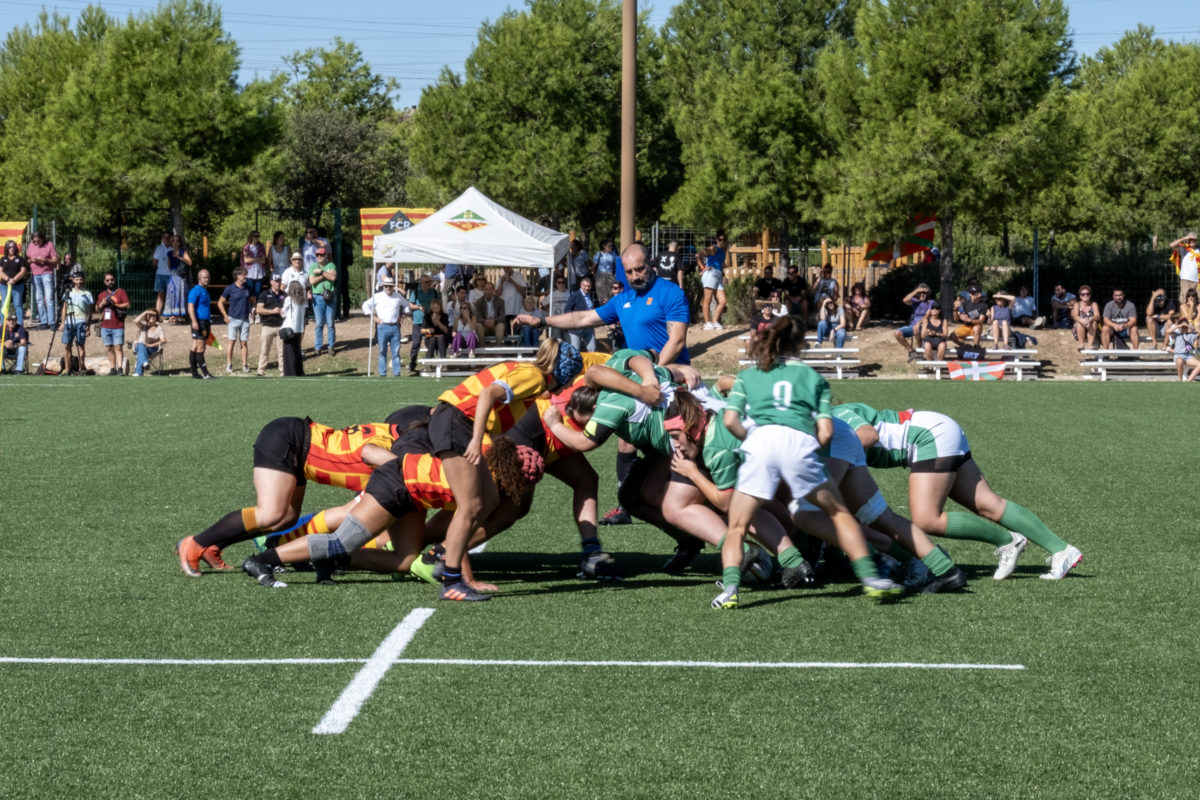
(964,525)
(790,558)
(864,568)
(938,562)
(1018,518)
(731,577)
(898,552)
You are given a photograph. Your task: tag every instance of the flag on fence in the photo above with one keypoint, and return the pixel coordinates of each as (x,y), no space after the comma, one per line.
(212,340)
(377,221)
(14,231)
(917,240)
(976,370)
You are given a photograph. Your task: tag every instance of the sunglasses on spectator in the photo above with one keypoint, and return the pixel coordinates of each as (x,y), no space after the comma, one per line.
(1085,294)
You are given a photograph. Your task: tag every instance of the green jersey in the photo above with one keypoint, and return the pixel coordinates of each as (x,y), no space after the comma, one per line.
(858,415)
(631,419)
(620,362)
(720,454)
(790,393)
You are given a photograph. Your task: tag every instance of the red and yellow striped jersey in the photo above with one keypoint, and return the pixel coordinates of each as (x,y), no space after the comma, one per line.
(592,359)
(555,448)
(335,455)
(524,382)
(426,482)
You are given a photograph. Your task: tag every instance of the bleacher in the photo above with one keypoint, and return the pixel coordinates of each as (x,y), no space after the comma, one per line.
(1116,364)
(485,356)
(1020,363)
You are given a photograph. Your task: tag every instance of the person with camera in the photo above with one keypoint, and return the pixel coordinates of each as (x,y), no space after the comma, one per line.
(199,309)
(321,277)
(112,305)
(77,318)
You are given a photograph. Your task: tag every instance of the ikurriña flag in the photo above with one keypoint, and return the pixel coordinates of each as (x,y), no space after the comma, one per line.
(917,240)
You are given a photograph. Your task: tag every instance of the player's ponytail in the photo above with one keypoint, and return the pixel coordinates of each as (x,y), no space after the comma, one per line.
(784,337)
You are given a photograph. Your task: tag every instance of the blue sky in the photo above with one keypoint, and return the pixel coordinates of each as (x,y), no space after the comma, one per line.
(411,42)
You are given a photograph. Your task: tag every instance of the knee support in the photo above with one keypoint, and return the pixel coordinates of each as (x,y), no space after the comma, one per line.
(350,536)
(871,510)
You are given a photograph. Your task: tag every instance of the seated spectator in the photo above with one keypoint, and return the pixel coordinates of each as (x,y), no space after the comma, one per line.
(669,265)
(1159,311)
(476,291)
(825,286)
(435,330)
(464,332)
(766,284)
(1183,347)
(795,293)
(762,320)
(16,340)
(458,305)
(1190,308)
(831,323)
(920,302)
(1120,323)
(1085,317)
(1060,306)
(489,315)
(1024,310)
(1002,319)
(933,332)
(532,334)
(971,315)
(972,283)
(858,307)
(151,339)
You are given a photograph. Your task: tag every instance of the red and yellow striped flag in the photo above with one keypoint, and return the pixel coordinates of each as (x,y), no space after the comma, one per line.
(14,231)
(212,340)
(378,221)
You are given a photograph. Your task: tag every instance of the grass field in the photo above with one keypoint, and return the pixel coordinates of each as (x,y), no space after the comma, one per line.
(101,476)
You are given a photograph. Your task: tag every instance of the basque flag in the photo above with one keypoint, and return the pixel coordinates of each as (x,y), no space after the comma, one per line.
(976,370)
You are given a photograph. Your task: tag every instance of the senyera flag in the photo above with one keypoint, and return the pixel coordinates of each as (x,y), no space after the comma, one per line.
(917,240)
(14,231)
(975,370)
(378,221)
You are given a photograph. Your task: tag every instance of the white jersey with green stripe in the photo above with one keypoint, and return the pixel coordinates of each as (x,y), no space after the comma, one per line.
(789,393)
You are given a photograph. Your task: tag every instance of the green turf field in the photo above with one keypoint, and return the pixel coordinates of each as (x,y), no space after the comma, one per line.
(101,476)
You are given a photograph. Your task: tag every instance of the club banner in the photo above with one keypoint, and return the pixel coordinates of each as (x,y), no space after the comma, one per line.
(976,370)
(14,231)
(917,240)
(378,221)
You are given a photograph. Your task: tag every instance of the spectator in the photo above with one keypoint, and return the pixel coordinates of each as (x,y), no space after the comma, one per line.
(796,292)
(559,297)
(1120,323)
(670,265)
(457,305)
(1002,319)
(113,304)
(310,244)
(932,334)
(43,262)
(77,318)
(581,299)
(180,261)
(489,315)
(1190,308)
(270,314)
(973,283)
(464,332)
(420,303)
(235,305)
(578,260)
(294,283)
(831,322)
(435,330)
(1085,317)
(151,339)
(1159,311)
(918,299)
(971,315)
(13,271)
(1060,306)
(1183,347)
(281,253)
(530,332)
(254,261)
(858,307)
(762,320)
(606,268)
(1024,310)
(162,272)
(616,334)
(16,341)
(825,286)
(1185,257)
(321,278)
(766,284)
(512,290)
(712,279)
(476,291)
(451,278)
(199,308)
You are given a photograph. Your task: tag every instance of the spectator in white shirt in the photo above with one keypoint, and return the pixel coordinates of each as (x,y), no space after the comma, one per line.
(512,291)
(386,307)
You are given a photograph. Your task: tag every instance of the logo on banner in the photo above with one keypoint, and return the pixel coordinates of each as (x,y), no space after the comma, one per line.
(467,221)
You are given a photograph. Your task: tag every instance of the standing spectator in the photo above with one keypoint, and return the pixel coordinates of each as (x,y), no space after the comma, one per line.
(1002,319)
(421,302)
(831,322)
(1085,315)
(559,297)
(797,293)
(1024,310)
(606,268)
(858,307)
(1185,255)
(16,341)
(825,286)
(77,318)
(670,265)
(712,280)
(281,253)
(489,315)
(1120,323)
(180,261)
(151,339)
(1183,347)
(162,271)
(310,244)
(270,314)
(768,283)
(971,315)
(578,260)
(1060,306)
(918,299)
(530,332)
(512,291)
(294,283)
(113,304)
(464,330)
(387,306)
(43,262)
(254,261)
(235,304)
(13,271)
(582,299)
(932,333)
(321,277)
(199,309)
(1159,311)
(436,331)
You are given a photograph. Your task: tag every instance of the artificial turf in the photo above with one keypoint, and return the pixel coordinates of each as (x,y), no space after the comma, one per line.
(103,475)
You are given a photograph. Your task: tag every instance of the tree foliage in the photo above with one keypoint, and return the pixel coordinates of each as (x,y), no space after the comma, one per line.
(338,79)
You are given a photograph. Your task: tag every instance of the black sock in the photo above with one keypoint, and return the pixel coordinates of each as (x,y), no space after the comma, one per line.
(625,462)
(228,529)
(270,558)
(203,364)
(192,361)
(451,575)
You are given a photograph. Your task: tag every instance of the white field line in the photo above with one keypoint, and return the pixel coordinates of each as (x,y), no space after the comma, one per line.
(346,707)
(181,662)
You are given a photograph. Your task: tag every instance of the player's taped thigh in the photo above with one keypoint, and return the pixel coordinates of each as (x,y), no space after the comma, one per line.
(350,536)
(871,510)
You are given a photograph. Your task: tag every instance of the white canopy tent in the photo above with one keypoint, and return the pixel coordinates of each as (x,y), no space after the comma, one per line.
(471,229)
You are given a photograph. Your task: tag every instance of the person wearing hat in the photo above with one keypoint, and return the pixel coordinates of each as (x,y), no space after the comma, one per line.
(270,314)
(1184,254)
(921,301)
(1185,345)
(321,277)
(386,307)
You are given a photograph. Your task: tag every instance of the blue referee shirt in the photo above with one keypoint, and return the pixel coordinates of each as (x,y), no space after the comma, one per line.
(644,316)
(198,297)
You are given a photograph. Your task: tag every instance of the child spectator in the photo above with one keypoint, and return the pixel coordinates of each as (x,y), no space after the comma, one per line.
(1002,319)
(831,322)
(825,286)
(1184,346)
(531,334)
(858,307)
(932,334)
(762,320)
(1085,316)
